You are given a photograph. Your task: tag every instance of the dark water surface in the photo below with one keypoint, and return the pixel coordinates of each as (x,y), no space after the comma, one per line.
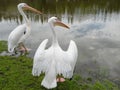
(94,26)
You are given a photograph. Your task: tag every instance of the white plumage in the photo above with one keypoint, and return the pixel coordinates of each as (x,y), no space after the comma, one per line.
(54,60)
(20,33)
(17,36)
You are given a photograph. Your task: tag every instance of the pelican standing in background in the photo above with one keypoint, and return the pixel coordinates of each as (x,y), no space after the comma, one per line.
(20,33)
(54,61)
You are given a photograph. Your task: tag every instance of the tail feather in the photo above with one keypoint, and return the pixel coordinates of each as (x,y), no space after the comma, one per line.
(48,84)
(49,80)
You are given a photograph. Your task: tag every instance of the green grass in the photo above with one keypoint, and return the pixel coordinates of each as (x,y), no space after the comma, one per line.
(15,74)
(3,46)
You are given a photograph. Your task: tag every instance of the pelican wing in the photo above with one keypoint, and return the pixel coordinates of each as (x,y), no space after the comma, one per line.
(40,64)
(15,37)
(69,60)
(72,54)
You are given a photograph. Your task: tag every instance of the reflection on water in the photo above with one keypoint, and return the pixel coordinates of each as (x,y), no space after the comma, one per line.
(94,26)
(72,9)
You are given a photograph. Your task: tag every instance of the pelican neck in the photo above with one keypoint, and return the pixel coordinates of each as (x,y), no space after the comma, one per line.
(54,36)
(23,14)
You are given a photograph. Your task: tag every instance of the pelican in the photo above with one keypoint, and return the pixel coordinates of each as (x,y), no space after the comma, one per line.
(54,61)
(20,33)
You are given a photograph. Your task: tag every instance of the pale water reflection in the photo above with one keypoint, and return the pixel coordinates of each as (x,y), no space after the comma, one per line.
(95,28)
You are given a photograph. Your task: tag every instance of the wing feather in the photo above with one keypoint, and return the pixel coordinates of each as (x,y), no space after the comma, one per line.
(40,64)
(72,53)
(70,59)
(15,36)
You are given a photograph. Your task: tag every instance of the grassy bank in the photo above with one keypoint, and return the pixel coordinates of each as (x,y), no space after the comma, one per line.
(15,74)
(3,46)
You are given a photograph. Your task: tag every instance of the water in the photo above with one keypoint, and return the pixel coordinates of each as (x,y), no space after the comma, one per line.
(94,26)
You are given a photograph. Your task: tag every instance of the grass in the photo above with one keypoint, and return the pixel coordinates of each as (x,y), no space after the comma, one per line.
(15,74)
(3,46)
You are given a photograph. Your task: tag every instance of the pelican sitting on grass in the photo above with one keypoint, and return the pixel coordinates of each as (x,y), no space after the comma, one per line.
(20,33)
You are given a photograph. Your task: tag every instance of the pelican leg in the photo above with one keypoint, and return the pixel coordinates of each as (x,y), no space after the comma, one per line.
(22,48)
(60,79)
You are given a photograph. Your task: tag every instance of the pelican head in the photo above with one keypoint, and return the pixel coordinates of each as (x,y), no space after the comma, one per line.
(24,6)
(56,22)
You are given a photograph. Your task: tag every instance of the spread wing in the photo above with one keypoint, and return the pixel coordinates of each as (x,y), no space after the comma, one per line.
(72,53)
(40,64)
(64,60)
(15,37)
(70,58)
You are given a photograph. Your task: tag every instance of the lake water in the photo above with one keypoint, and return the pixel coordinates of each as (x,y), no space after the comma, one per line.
(94,26)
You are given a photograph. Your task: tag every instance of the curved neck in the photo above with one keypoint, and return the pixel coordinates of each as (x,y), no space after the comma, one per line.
(54,37)
(23,14)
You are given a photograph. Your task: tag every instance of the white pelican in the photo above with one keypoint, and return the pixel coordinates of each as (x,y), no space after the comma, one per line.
(54,61)
(20,33)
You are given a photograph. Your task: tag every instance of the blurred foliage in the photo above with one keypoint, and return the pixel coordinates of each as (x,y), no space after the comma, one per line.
(8,8)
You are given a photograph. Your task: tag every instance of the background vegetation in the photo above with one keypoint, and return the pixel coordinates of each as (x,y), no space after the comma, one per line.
(8,8)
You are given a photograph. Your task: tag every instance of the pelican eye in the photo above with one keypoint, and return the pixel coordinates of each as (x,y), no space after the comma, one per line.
(24,32)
